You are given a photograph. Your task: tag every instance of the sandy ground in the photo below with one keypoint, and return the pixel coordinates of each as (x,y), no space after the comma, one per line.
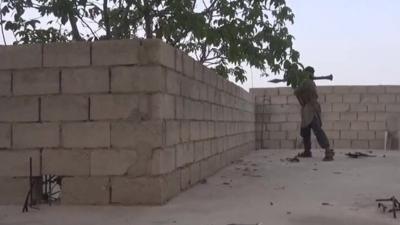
(259,189)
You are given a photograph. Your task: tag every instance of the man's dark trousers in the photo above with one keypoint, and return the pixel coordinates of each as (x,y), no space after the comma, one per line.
(316,126)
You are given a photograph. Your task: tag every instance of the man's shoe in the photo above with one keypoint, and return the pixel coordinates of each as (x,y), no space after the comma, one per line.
(305,154)
(328,155)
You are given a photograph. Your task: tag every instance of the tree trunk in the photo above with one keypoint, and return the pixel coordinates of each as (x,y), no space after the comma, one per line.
(148,20)
(106,19)
(75,31)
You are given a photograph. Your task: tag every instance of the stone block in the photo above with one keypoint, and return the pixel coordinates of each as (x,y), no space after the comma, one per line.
(331,116)
(36,135)
(66,54)
(185,178)
(393,108)
(36,82)
(162,106)
(173,82)
(118,107)
(19,109)
(366,116)
(195,131)
(188,65)
(184,154)
(376,144)
(66,162)
(155,51)
(288,126)
(376,107)
(179,61)
(348,116)
(280,100)
(285,91)
(392,89)
(198,71)
(294,117)
(64,108)
(13,190)
(86,135)
(387,98)
(369,99)
(278,118)
(351,98)
(348,134)
(341,125)
(333,134)
(143,79)
(143,135)
(172,135)
(85,190)
(326,107)
(293,100)
(179,108)
(338,107)
(376,89)
(277,135)
(5,83)
(112,162)
(199,153)
(190,88)
(15,163)
(5,136)
(185,131)
(342,89)
(163,161)
(20,56)
(325,90)
(366,135)
(359,125)
(333,98)
(116,52)
(137,191)
(85,80)
(377,126)
(342,144)
(195,173)
(288,144)
(359,144)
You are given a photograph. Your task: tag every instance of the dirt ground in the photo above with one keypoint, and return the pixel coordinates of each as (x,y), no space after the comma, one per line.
(262,188)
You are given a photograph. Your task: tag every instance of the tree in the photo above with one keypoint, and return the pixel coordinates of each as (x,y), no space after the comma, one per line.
(222,34)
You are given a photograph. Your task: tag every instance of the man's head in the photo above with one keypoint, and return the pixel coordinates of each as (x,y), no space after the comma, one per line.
(310,70)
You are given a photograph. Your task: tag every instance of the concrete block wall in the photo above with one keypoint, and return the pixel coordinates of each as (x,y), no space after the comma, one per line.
(123,122)
(354,117)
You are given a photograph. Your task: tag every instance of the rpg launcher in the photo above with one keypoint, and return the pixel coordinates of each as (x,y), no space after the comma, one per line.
(329,77)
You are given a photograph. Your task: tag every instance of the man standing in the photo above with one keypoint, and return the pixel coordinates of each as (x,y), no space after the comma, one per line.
(307,96)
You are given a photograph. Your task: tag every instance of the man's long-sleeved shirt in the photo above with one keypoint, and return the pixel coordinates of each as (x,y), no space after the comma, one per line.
(307,95)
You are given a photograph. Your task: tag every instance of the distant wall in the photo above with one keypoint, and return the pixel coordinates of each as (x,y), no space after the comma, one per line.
(123,122)
(354,117)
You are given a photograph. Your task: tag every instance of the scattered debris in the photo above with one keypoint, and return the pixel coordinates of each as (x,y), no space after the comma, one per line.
(355,155)
(315,169)
(288,213)
(294,159)
(395,205)
(251,175)
(226,183)
(203,181)
(280,188)
(245,224)
(326,204)
(271,203)
(254,164)
(384,156)
(337,172)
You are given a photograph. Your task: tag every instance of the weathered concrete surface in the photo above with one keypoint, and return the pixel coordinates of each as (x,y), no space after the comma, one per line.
(297,191)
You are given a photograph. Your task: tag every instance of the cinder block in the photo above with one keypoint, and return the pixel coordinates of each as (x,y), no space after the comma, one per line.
(340,125)
(278,118)
(195,173)
(86,135)
(277,135)
(5,136)
(116,52)
(285,91)
(85,80)
(351,98)
(36,135)
(366,116)
(199,153)
(144,135)
(359,89)
(66,162)
(155,51)
(348,116)
(190,88)
(377,126)
(64,108)
(5,82)
(331,116)
(382,116)
(179,108)
(173,82)
(326,107)
(85,190)
(144,79)
(366,135)
(279,100)
(376,89)
(325,89)
(179,61)
(376,144)
(338,107)
(163,161)
(333,134)
(117,107)
(185,178)
(342,144)
(288,126)
(172,132)
(162,106)
(376,107)
(288,144)
(185,131)
(19,109)
(15,163)
(369,99)
(387,98)
(358,108)
(13,190)
(292,100)
(392,108)
(333,98)
(359,125)
(392,89)
(112,162)
(21,56)
(348,134)
(66,54)
(294,117)
(195,130)
(342,89)
(36,82)
(134,191)
(184,154)
(359,144)
(188,65)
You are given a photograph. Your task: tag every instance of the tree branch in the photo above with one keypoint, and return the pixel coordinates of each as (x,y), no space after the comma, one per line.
(1,24)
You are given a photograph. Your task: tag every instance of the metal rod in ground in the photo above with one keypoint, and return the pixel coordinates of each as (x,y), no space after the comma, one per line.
(29,194)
